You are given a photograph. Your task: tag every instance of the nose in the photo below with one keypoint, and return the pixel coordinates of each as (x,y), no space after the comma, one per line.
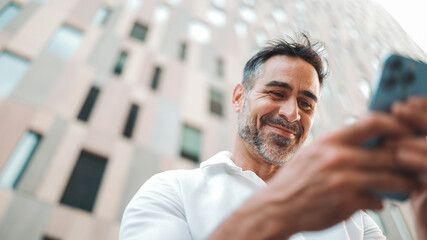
(290,111)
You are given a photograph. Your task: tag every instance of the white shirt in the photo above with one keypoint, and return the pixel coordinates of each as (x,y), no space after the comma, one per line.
(190,204)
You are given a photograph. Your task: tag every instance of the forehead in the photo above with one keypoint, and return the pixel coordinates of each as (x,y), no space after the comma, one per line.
(292,70)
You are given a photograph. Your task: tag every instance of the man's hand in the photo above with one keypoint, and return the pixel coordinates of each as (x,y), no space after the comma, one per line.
(412,153)
(332,178)
(325,183)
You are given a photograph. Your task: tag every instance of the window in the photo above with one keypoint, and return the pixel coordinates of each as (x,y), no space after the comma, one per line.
(139,31)
(161,13)
(130,123)
(83,185)
(219,3)
(40,1)
(216,17)
(101,16)
(156,78)
(174,2)
(248,14)
(191,142)
(65,42)
(118,69)
(183,51)
(18,161)
(365,88)
(300,5)
(216,102)
(8,13)
(12,69)
(240,29)
(46,237)
(199,32)
(84,113)
(220,67)
(279,14)
(133,4)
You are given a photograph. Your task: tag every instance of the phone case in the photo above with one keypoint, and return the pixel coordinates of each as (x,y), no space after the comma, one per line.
(401,78)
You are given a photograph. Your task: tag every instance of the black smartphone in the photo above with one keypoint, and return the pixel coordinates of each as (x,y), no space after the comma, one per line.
(401,77)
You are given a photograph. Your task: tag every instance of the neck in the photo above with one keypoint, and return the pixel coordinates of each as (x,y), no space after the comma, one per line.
(247,159)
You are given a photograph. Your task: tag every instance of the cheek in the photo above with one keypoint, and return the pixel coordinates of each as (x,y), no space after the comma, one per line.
(261,108)
(307,122)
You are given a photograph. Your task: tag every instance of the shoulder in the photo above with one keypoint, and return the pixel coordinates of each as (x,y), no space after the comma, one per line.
(160,193)
(215,165)
(168,179)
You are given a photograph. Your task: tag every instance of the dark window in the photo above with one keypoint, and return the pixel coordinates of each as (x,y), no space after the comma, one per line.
(156,78)
(130,123)
(216,100)
(17,163)
(220,68)
(83,185)
(118,69)
(139,31)
(49,238)
(190,145)
(183,51)
(88,104)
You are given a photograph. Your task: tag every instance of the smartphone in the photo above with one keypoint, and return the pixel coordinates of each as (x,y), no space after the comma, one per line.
(401,77)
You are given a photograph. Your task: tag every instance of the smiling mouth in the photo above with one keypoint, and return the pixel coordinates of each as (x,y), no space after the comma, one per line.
(283,131)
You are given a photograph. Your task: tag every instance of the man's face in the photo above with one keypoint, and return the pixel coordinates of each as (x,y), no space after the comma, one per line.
(278,112)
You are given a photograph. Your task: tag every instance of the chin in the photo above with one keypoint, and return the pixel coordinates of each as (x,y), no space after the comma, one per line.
(277,155)
(276,161)
(275,149)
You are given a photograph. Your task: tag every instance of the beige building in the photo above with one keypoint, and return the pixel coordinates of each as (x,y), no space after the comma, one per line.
(97,96)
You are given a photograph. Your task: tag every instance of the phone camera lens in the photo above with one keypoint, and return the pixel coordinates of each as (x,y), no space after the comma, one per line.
(396,64)
(390,82)
(408,77)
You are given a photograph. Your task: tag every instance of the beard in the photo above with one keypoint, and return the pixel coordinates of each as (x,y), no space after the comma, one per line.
(272,147)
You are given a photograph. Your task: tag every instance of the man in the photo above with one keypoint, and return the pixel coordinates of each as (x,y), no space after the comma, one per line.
(320,187)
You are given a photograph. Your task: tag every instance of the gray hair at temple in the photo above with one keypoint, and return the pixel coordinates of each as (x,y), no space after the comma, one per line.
(303,47)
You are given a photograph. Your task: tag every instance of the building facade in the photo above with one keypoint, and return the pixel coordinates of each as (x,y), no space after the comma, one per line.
(97,96)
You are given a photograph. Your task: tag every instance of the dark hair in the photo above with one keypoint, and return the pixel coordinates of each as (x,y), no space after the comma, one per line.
(303,48)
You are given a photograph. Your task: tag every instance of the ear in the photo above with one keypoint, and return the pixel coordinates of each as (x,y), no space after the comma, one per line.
(239,95)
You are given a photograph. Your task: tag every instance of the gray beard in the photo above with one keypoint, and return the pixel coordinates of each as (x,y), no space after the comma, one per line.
(273,148)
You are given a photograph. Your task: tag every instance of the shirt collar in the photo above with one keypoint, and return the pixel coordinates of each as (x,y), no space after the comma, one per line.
(221,158)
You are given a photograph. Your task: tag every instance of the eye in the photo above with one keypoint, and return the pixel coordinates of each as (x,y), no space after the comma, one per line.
(305,105)
(276,94)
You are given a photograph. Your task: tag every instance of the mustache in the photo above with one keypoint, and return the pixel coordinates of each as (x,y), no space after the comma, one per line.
(276,120)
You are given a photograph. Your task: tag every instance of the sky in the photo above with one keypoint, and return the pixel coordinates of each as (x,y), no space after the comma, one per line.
(410,14)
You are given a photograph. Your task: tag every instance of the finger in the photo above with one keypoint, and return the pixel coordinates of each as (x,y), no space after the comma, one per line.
(368,201)
(413,112)
(388,182)
(412,153)
(368,182)
(375,124)
(364,158)
(418,143)
(417,101)
(412,160)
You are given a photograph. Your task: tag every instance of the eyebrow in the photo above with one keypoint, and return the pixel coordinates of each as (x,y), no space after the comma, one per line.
(306,93)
